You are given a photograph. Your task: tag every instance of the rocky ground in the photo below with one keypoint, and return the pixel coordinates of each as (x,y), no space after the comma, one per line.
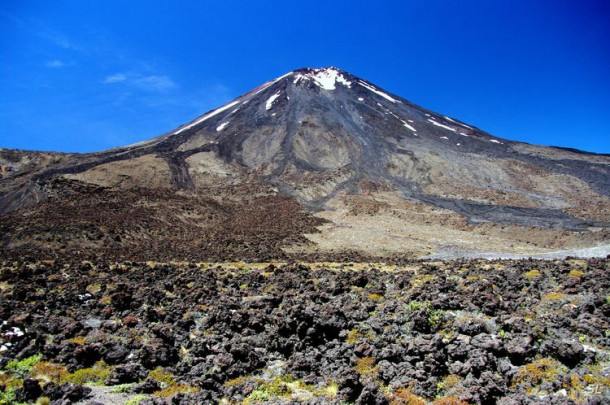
(470,331)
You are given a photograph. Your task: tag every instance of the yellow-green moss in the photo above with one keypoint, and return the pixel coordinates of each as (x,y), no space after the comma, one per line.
(162,377)
(405,396)
(366,368)
(450,385)
(420,279)
(450,400)
(532,274)
(532,375)
(93,375)
(93,288)
(277,388)
(175,389)
(50,372)
(79,340)
(136,400)
(553,296)
(24,367)
(235,382)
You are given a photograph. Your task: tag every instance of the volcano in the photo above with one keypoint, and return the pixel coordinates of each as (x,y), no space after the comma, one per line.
(315,162)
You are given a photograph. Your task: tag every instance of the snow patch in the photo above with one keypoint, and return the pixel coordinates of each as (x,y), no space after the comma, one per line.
(206,116)
(399,119)
(326,79)
(444,137)
(438,124)
(455,122)
(222,126)
(409,126)
(281,77)
(378,92)
(299,77)
(271,100)
(360,99)
(496,141)
(452,120)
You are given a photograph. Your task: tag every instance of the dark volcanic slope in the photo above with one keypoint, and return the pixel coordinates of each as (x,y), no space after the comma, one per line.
(316,121)
(316,134)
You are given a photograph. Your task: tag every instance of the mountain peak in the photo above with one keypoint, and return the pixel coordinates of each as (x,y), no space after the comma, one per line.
(326,78)
(324,136)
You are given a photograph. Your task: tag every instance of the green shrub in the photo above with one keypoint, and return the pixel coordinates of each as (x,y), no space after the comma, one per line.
(24,367)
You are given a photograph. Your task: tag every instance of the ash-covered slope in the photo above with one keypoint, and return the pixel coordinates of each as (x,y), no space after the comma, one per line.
(316,132)
(337,143)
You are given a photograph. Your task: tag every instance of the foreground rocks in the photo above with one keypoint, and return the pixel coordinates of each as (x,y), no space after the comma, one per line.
(506,332)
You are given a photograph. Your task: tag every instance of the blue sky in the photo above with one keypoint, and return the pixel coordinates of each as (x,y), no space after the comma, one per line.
(81,76)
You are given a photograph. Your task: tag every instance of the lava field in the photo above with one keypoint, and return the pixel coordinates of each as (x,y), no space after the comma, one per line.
(455,332)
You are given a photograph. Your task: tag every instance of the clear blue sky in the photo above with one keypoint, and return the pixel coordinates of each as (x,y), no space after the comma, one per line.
(89,75)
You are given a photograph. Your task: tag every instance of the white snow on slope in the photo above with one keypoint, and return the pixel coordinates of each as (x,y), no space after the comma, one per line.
(324,78)
(495,141)
(459,123)
(271,100)
(400,119)
(222,126)
(438,124)
(206,116)
(281,77)
(378,92)
(409,126)
(327,79)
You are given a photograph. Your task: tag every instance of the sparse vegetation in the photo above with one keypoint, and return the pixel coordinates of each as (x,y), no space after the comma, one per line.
(24,367)
(532,274)
(405,396)
(533,375)
(325,334)
(162,376)
(136,400)
(366,367)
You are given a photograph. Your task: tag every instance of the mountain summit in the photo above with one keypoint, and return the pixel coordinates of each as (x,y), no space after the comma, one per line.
(365,170)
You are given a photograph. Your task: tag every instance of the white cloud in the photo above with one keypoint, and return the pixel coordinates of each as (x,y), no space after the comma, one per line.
(54,64)
(154,83)
(151,83)
(115,78)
